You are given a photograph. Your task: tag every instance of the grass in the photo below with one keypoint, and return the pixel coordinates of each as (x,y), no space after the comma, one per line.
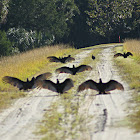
(25,65)
(28,64)
(133,46)
(130,67)
(6,98)
(66,123)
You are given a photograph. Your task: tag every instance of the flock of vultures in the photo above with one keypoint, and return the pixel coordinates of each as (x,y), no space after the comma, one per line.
(41,80)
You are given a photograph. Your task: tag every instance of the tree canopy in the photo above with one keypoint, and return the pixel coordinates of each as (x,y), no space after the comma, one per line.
(34,23)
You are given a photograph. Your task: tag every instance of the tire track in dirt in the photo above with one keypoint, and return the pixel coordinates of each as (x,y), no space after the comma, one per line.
(108,111)
(20,120)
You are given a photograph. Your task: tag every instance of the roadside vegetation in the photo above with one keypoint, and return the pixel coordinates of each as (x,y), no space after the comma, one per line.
(26,65)
(131,69)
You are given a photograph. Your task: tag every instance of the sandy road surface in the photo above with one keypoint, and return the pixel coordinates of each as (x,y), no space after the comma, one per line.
(108,111)
(19,121)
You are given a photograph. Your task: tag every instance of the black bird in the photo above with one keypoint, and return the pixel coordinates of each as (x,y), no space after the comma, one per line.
(61,60)
(56,87)
(93,57)
(103,88)
(125,55)
(74,69)
(25,85)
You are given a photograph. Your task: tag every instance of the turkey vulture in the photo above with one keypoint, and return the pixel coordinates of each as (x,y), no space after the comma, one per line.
(61,60)
(93,57)
(125,55)
(74,69)
(25,85)
(56,87)
(103,88)
(68,59)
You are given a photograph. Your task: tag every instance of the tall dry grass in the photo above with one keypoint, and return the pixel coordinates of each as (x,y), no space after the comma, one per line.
(133,46)
(27,64)
(131,65)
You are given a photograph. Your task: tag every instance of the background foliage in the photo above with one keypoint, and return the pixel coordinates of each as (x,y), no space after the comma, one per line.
(30,24)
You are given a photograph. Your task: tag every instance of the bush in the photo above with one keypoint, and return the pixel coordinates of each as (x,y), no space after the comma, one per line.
(26,40)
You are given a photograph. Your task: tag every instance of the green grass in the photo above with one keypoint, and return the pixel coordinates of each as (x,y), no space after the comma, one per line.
(130,69)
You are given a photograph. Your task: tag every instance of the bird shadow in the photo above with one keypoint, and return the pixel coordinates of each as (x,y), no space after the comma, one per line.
(46,96)
(94,94)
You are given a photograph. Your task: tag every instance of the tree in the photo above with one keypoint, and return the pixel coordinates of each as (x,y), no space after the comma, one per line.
(5,44)
(3,10)
(109,17)
(79,31)
(136,19)
(49,17)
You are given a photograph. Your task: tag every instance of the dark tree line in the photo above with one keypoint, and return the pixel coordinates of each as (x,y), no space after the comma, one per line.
(27,24)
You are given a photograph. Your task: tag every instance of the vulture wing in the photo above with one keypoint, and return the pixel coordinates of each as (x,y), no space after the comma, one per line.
(66,85)
(53,59)
(13,81)
(90,84)
(47,84)
(118,54)
(43,76)
(112,85)
(69,59)
(64,70)
(84,68)
(129,53)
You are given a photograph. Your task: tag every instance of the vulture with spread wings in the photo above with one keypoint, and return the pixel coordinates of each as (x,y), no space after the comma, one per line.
(61,60)
(74,69)
(25,85)
(125,55)
(102,88)
(56,87)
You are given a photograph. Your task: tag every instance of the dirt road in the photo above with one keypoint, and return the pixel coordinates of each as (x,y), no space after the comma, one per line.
(19,121)
(109,111)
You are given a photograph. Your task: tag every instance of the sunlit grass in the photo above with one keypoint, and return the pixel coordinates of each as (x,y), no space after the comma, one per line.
(25,65)
(133,46)
(130,67)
